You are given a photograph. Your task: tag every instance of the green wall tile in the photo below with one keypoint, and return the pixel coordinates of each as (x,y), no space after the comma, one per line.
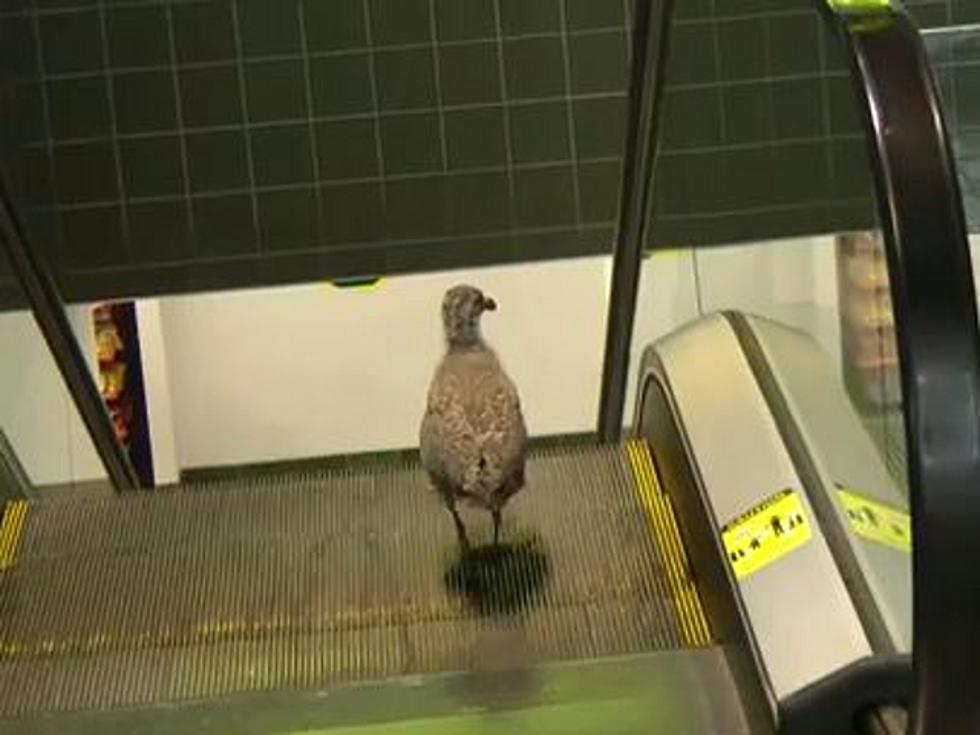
(798,108)
(224,226)
(545,196)
(18,46)
(269,27)
(692,118)
(217,161)
(276,90)
(598,62)
(748,112)
(520,17)
(844,115)
(341,84)
(93,237)
(29,118)
(204,31)
(416,208)
(71,42)
(151,166)
(406,79)
(599,183)
(600,127)
(288,219)
(794,44)
(335,24)
(145,101)
(138,36)
(458,20)
(478,202)
(282,155)
(694,10)
(79,107)
(967,81)
(411,143)
(160,232)
(86,173)
(476,137)
(850,175)
(585,14)
(400,21)
(692,57)
(347,149)
(65,4)
(30,173)
(539,132)
(470,74)
(534,68)
(352,212)
(742,45)
(688,182)
(210,96)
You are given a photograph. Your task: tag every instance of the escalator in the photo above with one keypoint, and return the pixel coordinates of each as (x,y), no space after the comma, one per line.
(766,551)
(335,581)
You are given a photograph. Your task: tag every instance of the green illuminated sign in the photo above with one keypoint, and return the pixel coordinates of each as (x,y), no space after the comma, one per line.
(859,6)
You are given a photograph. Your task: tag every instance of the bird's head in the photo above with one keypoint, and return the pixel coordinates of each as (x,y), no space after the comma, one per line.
(462,307)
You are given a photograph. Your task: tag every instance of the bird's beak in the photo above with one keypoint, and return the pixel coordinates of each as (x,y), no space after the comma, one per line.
(489,304)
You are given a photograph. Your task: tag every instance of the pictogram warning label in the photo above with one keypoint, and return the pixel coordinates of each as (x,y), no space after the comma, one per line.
(766,533)
(876,521)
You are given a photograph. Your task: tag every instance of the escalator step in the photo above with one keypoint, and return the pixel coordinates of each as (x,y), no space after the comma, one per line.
(307,581)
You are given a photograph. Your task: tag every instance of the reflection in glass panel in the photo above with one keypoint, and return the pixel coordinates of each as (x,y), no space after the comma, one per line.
(953,53)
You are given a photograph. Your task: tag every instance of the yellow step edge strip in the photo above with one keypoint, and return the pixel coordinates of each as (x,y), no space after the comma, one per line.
(11,531)
(687,601)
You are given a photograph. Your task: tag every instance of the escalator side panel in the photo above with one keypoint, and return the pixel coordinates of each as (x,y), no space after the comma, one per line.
(829,433)
(798,610)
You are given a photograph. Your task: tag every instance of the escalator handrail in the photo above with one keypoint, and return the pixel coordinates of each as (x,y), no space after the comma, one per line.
(651,23)
(924,227)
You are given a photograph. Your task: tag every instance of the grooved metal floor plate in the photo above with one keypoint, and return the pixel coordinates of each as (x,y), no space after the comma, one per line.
(311,581)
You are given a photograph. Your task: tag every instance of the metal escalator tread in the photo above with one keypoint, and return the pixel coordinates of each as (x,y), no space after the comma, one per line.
(301,582)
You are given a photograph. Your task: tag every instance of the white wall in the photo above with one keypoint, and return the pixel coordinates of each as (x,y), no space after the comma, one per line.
(36,412)
(156,388)
(308,371)
(314,370)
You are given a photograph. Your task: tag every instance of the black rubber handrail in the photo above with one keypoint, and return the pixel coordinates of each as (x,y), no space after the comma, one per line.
(48,307)
(922,220)
(651,35)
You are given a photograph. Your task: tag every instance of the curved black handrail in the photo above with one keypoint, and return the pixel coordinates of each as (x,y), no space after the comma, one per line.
(921,215)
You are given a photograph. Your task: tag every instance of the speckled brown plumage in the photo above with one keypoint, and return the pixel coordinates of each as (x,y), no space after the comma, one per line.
(473,438)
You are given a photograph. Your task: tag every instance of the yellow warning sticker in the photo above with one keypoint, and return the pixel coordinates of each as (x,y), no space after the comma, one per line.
(766,533)
(876,521)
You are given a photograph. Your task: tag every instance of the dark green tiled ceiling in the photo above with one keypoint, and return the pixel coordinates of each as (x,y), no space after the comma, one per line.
(169,145)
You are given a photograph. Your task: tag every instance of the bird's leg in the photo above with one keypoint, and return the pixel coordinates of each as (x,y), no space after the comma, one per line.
(496,525)
(464,542)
